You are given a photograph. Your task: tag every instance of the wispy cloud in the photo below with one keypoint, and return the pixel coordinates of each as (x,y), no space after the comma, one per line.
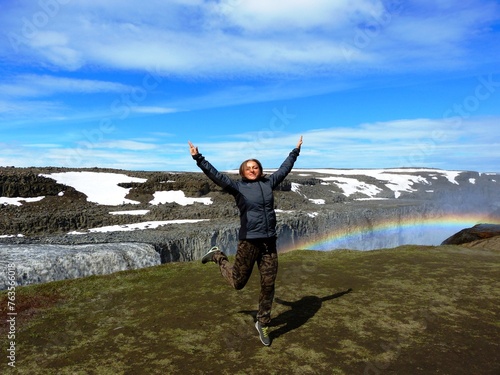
(31,85)
(430,143)
(264,17)
(128,145)
(153,110)
(92,80)
(264,43)
(247,37)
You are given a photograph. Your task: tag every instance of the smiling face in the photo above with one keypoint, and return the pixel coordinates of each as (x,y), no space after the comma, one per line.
(251,170)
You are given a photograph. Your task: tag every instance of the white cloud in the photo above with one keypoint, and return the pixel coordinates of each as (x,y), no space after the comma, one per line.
(428,143)
(282,51)
(43,145)
(31,85)
(153,110)
(57,50)
(130,145)
(433,143)
(265,16)
(195,54)
(29,110)
(248,37)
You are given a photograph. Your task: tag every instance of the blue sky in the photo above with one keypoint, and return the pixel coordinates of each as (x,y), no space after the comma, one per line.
(368,83)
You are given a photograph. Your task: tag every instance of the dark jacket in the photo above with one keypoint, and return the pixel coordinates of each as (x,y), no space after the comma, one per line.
(254,199)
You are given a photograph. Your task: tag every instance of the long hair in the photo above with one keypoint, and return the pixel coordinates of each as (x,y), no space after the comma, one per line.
(244,164)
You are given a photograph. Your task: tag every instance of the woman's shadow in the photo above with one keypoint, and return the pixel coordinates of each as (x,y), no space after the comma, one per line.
(300,312)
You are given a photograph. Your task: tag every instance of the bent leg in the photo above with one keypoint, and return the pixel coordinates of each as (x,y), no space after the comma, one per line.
(238,273)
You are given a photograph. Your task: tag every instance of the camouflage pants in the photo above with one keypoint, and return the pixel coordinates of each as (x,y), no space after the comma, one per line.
(263,251)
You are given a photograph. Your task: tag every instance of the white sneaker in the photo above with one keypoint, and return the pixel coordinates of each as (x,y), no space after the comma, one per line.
(209,256)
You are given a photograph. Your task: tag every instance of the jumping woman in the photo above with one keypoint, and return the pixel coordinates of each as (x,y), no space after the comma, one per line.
(257,235)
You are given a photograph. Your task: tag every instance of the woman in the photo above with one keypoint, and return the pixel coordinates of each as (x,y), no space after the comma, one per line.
(257,234)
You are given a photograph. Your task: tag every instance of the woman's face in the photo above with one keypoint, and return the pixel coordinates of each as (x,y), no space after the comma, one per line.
(251,171)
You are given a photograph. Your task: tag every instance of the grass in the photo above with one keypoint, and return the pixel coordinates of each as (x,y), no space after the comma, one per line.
(408,310)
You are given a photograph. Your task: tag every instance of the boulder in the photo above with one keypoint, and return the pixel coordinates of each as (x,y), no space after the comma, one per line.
(477,232)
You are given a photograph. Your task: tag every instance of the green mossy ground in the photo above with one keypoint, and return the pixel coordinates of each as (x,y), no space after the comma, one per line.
(408,310)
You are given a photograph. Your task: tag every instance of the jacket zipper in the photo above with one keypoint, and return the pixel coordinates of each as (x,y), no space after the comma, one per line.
(264,207)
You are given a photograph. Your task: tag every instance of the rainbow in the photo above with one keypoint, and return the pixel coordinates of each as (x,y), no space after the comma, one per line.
(392,233)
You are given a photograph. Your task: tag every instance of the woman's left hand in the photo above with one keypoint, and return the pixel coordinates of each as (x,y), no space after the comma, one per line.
(299,143)
(193,150)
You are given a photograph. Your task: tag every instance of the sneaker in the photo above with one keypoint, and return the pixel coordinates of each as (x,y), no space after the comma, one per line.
(209,256)
(263,333)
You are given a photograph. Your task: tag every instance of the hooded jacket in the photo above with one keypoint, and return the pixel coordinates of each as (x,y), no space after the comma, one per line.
(255,199)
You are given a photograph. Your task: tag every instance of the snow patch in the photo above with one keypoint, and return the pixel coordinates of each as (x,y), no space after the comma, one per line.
(397,179)
(317,201)
(351,186)
(99,187)
(371,199)
(131,212)
(137,226)
(19,201)
(177,196)
(296,188)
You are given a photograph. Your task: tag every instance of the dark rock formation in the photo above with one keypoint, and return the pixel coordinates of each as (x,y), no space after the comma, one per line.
(312,203)
(477,232)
